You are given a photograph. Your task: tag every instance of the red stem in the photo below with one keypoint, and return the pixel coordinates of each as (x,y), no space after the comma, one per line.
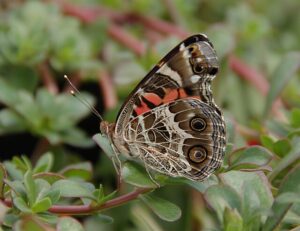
(108,90)
(120,35)
(88,209)
(47,77)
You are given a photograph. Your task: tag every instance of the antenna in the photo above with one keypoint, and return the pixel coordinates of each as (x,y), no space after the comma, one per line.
(76,93)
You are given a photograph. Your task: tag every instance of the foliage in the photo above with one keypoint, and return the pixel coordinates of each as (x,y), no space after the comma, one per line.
(258,186)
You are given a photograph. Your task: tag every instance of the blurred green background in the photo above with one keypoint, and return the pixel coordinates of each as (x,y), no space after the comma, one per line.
(107,46)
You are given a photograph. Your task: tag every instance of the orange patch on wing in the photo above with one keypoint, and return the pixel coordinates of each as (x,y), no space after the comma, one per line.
(182,93)
(170,96)
(153,98)
(142,109)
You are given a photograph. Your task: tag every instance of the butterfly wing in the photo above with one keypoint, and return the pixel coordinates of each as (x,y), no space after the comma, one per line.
(183,77)
(185,137)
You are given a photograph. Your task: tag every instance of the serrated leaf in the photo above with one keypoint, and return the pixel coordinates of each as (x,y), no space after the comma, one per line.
(44,164)
(69,188)
(68,224)
(135,174)
(78,171)
(163,209)
(286,69)
(42,205)
(20,204)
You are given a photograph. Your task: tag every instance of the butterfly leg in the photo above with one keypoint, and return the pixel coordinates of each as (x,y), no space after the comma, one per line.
(150,175)
(116,161)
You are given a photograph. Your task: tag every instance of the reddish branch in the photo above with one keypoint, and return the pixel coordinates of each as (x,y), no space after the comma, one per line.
(255,78)
(47,77)
(108,90)
(119,34)
(88,209)
(249,74)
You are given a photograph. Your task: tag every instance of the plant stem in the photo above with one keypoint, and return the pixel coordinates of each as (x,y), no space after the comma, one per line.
(88,209)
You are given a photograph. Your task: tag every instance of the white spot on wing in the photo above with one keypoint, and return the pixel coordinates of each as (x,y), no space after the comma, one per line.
(166,70)
(195,78)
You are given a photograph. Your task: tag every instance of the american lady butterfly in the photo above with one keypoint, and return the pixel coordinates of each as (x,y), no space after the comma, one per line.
(170,121)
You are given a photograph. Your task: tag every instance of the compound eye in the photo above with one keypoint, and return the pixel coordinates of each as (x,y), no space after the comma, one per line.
(198,124)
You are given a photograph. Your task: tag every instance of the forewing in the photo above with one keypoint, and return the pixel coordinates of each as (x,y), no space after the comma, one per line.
(186,71)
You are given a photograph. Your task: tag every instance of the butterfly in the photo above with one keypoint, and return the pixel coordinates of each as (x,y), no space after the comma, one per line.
(170,121)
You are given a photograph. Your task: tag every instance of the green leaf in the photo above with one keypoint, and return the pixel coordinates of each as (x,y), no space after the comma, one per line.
(69,224)
(50,177)
(69,188)
(101,197)
(290,184)
(232,220)
(17,187)
(267,142)
(255,156)
(163,209)
(135,174)
(21,205)
(30,187)
(21,164)
(44,164)
(284,72)
(30,223)
(3,175)
(10,219)
(78,171)
(42,205)
(104,143)
(104,219)
(220,197)
(200,186)
(289,158)
(12,171)
(11,122)
(282,147)
(255,191)
(54,195)
(295,117)
(48,217)
(288,197)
